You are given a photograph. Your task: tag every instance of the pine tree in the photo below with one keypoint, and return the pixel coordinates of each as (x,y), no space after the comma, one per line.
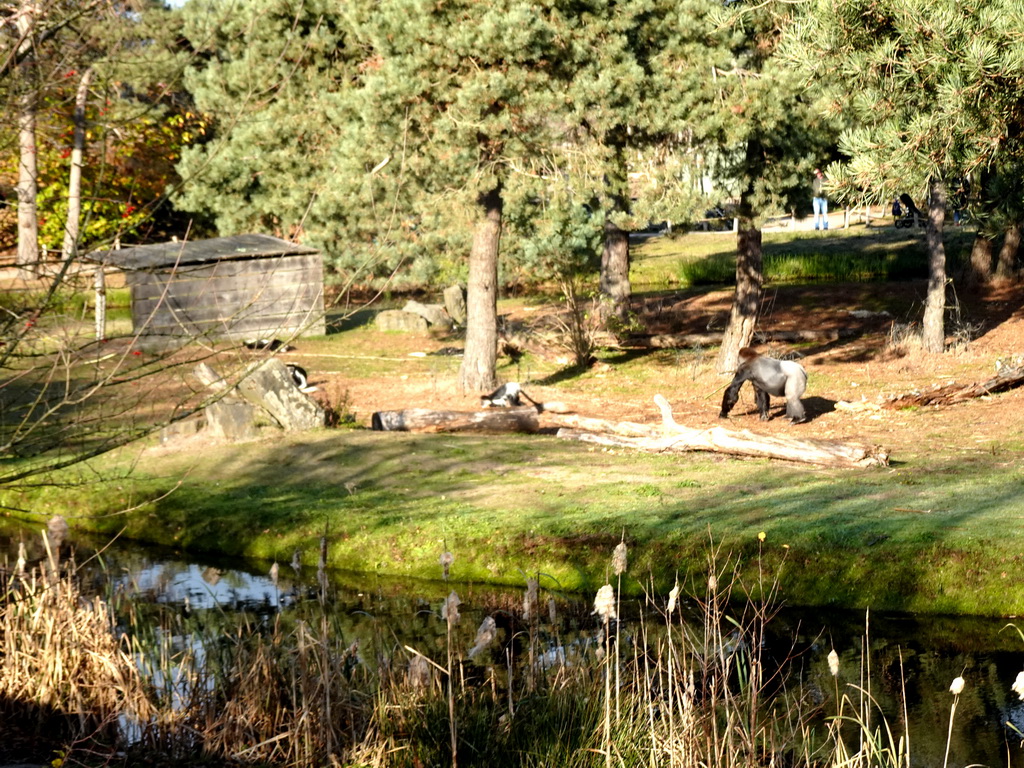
(473,97)
(936,99)
(758,121)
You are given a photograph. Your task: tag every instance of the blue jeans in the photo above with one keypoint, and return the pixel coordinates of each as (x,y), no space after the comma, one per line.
(820,213)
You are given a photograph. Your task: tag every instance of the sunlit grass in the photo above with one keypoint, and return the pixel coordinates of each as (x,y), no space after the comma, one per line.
(841,255)
(923,536)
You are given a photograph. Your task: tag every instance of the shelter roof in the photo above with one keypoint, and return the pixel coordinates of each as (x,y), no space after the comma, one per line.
(235,247)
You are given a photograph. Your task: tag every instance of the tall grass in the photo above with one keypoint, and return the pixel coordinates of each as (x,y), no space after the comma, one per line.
(689,682)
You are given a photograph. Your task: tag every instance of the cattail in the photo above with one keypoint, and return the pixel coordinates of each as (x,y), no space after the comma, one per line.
(833,662)
(19,567)
(450,609)
(447,558)
(604,603)
(1018,685)
(419,673)
(484,636)
(296,562)
(57,529)
(552,610)
(673,596)
(273,574)
(530,599)
(619,558)
(957,686)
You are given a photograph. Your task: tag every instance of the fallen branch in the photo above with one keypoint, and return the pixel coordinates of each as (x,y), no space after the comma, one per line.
(1007,378)
(670,436)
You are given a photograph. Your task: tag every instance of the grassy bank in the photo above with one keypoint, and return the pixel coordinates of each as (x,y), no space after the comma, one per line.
(924,537)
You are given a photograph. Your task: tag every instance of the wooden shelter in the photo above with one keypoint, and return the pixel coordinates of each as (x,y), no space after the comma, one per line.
(239,287)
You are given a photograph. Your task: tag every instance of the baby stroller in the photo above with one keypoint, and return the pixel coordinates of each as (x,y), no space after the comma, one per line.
(911,214)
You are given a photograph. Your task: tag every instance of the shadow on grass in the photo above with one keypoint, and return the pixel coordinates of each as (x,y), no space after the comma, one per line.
(911,537)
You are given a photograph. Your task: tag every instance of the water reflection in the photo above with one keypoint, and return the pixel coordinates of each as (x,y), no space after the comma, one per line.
(883,655)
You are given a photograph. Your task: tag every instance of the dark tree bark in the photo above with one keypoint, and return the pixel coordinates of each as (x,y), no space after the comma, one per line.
(747,300)
(934,336)
(479,361)
(615,269)
(980,268)
(1006,267)
(614,282)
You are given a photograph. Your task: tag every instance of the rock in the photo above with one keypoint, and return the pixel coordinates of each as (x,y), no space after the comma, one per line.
(185,428)
(270,386)
(434,314)
(231,419)
(455,303)
(397,320)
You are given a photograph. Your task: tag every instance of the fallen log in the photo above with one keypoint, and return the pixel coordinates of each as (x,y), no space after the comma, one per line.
(673,437)
(524,419)
(686,340)
(1007,378)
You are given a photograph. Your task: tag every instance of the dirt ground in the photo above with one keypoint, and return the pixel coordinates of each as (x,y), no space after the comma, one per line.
(875,359)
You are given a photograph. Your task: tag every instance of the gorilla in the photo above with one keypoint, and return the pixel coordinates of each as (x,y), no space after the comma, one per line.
(781,378)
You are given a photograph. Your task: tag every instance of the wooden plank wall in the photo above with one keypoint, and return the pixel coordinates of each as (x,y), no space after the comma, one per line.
(271,297)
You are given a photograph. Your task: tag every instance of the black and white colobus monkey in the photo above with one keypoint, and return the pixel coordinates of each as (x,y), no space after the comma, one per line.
(781,378)
(298,374)
(505,396)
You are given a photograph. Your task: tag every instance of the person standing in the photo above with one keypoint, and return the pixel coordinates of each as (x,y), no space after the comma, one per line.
(820,201)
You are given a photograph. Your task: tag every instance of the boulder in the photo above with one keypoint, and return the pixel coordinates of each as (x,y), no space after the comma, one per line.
(397,320)
(434,314)
(270,386)
(455,303)
(232,419)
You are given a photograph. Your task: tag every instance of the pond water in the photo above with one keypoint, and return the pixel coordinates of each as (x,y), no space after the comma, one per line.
(918,655)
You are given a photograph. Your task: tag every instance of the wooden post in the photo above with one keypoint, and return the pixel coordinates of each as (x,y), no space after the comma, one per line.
(101,303)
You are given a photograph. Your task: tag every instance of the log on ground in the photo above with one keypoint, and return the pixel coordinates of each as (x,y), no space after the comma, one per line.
(672,437)
(524,419)
(1008,378)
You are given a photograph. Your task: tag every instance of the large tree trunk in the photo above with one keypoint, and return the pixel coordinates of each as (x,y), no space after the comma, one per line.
(980,269)
(614,282)
(747,299)
(615,269)
(481,354)
(71,228)
(934,336)
(28,174)
(1006,267)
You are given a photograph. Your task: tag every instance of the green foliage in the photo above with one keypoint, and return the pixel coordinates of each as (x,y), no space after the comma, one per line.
(930,98)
